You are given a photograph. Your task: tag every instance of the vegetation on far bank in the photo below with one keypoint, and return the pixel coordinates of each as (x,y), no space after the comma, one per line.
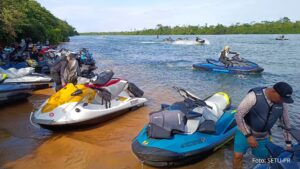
(27,18)
(281,26)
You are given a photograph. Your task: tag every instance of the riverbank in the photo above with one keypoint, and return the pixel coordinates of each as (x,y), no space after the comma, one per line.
(281,26)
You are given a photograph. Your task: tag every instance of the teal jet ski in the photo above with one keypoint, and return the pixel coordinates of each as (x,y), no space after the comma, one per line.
(187,131)
(281,158)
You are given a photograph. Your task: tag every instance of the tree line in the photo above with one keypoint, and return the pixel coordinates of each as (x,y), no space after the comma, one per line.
(28,19)
(281,26)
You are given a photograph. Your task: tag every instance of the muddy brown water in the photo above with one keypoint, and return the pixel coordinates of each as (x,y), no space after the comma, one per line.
(102,146)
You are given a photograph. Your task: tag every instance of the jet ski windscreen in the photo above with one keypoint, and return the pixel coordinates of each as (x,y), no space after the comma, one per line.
(103,77)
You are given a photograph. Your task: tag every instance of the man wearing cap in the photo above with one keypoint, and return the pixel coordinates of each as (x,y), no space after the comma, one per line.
(256,115)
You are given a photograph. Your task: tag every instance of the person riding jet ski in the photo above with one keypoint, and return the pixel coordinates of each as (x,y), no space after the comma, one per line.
(169,39)
(200,40)
(224,56)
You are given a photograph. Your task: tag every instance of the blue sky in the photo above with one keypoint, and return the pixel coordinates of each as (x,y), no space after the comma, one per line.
(126,15)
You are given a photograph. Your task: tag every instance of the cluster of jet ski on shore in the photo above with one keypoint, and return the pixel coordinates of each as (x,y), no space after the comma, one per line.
(92,99)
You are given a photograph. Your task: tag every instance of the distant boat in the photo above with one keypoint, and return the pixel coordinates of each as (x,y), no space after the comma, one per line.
(281,38)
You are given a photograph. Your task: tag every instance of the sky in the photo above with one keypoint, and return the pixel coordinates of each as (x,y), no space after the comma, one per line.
(128,15)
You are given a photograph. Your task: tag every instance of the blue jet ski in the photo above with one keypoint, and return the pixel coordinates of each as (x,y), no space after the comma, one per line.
(187,131)
(243,67)
(10,93)
(281,158)
(17,65)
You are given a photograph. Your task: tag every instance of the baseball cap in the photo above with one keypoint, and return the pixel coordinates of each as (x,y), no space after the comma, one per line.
(285,91)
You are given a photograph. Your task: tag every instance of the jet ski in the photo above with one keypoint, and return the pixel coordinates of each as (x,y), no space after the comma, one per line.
(14,92)
(27,75)
(200,41)
(3,77)
(239,67)
(82,105)
(86,58)
(281,39)
(281,158)
(185,41)
(168,40)
(17,65)
(187,131)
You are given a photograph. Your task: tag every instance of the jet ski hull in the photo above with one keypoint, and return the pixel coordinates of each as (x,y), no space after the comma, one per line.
(216,66)
(36,80)
(12,93)
(77,125)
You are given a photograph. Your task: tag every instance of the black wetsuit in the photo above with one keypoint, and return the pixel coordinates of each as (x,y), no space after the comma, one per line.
(224,59)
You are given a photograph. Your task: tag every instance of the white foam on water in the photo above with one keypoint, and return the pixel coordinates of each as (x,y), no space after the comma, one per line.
(148,42)
(190,42)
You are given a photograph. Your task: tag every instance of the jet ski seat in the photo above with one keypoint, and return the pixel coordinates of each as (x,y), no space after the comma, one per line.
(179,117)
(117,88)
(114,89)
(219,103)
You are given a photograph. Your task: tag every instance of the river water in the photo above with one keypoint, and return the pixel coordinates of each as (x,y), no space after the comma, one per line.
(155,67)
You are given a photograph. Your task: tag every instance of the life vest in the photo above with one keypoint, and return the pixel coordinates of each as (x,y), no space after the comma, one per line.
(261,116)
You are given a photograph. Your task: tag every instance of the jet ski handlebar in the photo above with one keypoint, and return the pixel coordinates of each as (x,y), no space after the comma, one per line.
(187,95)
(294,132)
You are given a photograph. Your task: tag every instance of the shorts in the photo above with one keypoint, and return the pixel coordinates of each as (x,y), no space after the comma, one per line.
(241,145)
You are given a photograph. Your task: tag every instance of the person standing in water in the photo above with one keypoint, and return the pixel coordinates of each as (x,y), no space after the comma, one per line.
(57,71)
(256,115)
(72,70)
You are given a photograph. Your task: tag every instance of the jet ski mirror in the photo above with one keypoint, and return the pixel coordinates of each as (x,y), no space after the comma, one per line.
(77,92)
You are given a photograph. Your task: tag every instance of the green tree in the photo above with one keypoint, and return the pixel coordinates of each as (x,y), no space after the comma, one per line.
(27,18)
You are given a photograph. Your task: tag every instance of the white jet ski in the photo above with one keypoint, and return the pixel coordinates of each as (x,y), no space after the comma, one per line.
(26,75)
(81,105)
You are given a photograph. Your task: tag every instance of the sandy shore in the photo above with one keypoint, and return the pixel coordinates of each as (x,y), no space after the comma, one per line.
(103,146)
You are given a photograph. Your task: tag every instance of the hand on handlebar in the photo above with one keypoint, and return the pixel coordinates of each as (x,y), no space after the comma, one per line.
(288,147)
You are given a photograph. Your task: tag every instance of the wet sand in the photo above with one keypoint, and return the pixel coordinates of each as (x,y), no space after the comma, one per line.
(103,146)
